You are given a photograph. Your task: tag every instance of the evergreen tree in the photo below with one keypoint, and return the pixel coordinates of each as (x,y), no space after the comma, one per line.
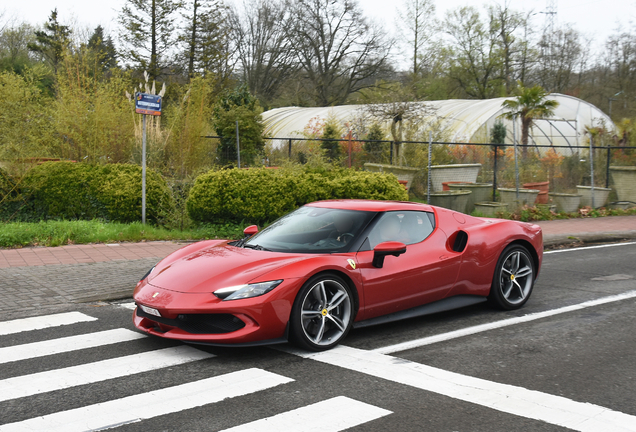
(206,38)
(239,105)
(148,32)
(330,145)
(53,42)
(375,150)
(104,48)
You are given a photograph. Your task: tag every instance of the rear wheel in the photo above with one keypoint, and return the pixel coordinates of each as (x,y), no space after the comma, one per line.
(322,314)
(514,278)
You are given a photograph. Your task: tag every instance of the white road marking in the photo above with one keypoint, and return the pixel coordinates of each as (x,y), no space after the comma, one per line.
(42,322)
(499,324)
(588,248)
(67,344)
(501,397)
(152,404)
(28,385)
(128,305)
(344,413)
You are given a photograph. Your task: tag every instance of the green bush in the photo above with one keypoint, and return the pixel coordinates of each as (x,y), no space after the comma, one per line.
(76,191)
(262,195)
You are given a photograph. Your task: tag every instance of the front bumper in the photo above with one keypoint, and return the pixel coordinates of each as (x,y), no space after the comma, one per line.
(203,318)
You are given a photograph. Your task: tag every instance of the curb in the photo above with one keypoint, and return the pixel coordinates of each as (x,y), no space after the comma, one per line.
(597,237)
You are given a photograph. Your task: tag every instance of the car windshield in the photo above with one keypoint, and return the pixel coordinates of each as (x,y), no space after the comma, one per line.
(312,230)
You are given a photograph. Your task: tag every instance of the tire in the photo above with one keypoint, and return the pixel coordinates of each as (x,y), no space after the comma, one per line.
(513,279)
(322,314)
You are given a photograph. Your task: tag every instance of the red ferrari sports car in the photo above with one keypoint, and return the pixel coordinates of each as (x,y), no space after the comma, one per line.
(332,265)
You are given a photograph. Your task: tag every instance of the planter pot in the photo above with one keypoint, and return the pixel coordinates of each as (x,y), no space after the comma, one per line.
(526,197)
(481,192)
(622,205)
(600,196)
(446,186)
(490,208)
(542,187)
(624,179)
(466,173)
(565,202)
(454,200)
(402,173)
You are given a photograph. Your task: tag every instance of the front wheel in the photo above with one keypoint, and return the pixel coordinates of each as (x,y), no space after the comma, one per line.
(322,314)
(514,278)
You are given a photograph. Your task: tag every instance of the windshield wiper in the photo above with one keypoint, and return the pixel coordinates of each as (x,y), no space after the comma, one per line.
(256,247)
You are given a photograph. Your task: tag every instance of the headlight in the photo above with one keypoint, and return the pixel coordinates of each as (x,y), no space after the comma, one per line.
(147,274)
(246,291)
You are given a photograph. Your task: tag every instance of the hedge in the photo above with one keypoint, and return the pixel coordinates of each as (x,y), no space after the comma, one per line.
(262,195)
(72,191)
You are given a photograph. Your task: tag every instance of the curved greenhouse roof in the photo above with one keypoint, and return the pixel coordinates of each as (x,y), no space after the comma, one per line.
(461,120)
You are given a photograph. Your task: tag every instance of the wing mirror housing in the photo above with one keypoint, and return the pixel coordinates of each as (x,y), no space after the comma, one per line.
(250,231)
(392,248)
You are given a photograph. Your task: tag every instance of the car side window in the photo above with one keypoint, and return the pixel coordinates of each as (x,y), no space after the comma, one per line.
(408,227)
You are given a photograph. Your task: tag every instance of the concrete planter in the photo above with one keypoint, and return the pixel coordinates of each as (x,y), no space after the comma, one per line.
(481,192)
(600,196)
(565,202)
(624,179)
(526,197)
(466,173)
(490,208)
(406,174)
(454,200)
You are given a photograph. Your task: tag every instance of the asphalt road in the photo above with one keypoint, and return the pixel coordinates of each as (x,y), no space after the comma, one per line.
(565,361)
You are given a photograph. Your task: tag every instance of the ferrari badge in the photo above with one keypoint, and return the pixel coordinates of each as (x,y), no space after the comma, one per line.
(352,263)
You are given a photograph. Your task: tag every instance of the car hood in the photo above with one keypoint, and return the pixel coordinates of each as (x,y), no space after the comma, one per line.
(218,266)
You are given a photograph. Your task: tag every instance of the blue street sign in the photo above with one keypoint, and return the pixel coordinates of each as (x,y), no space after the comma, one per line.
(147,104)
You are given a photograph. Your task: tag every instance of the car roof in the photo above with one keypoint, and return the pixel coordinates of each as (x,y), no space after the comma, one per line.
(371,205)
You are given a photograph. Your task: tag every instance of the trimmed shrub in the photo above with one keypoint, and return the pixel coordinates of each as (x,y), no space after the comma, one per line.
(8,195)
(262,195)
(66,190)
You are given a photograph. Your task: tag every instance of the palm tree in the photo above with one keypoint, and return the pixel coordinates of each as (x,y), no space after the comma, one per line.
(531,103)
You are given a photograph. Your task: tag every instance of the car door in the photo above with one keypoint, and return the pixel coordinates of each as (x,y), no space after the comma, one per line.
(423,274)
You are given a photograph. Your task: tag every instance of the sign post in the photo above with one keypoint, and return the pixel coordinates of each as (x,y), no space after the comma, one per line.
(145,104)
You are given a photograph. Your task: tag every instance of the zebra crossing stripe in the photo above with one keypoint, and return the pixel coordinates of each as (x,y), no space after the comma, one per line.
(29,385)
(42,322)
(344,413)
(67,344)
(502,397)
(140,407)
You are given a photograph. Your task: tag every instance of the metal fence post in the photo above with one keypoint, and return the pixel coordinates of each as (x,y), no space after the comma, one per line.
(289,151)
(592,169)
(607,173)
(391,154)
(428,184)
(494,174)
(514,141)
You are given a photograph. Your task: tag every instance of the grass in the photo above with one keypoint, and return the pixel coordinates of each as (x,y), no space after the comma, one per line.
(58,233)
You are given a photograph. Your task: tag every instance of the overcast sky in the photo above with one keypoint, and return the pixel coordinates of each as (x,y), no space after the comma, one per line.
(595,18)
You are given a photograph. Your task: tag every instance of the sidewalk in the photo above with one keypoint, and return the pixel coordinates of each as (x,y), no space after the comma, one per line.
(39,279)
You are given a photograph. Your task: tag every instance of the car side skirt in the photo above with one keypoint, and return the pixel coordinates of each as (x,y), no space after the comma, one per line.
(443,305)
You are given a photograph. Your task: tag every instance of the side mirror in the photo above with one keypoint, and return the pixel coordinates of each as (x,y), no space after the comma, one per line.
(392,248)
(250,230)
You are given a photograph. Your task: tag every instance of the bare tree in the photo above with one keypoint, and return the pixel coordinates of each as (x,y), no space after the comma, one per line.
(397,107)
(265,55)
(339,51)
(509,26)
(561,55)
(417,27)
